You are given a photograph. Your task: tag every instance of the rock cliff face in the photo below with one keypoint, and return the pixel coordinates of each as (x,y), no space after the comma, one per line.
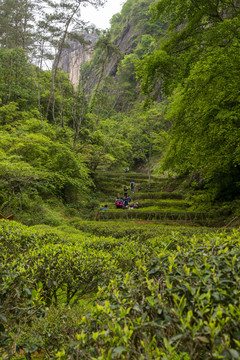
(73,58)
(127,30)
(124,43)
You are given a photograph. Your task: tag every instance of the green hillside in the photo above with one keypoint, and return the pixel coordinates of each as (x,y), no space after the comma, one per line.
(159,99)
(139,103)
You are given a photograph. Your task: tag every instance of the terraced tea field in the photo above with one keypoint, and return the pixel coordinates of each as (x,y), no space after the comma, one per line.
(158,202)
(118,290)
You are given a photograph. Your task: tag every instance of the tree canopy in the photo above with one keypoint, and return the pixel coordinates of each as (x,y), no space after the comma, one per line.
(197,66)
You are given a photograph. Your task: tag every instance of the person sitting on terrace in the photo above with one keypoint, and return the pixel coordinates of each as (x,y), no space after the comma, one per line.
(125,203)
(134,205)
(119,203)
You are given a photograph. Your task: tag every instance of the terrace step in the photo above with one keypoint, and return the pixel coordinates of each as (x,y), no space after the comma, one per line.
(155,204)
(160,195)
(159,216)
(127,176)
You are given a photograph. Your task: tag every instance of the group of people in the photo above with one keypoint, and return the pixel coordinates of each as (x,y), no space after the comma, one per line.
(125,201)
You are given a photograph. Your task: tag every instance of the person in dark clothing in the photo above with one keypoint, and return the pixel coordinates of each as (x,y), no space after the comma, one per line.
(132,184)
(125,204)
(125,189)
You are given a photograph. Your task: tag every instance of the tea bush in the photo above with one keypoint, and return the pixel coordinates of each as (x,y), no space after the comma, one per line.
(141,232)
(145,292)
(42,267)
(168,203)
(160,195)
(182,304)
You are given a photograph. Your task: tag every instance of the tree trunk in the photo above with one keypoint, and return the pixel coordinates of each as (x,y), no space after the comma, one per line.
(58,57)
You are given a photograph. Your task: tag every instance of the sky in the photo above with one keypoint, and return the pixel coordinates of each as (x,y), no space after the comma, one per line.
(101,17)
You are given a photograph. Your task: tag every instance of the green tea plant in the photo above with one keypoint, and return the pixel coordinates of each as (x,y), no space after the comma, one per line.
(179,305)
(136,231)
(19,303)
(148,292)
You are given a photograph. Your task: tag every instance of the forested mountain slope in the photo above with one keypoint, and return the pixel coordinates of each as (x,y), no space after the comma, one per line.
(185,61)
(160,93)
(131,36)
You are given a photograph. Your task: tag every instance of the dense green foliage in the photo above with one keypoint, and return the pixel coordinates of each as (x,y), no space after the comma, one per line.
(135,231)
(163,293)
(161,92)
(197,66)
(182,56)
(37,160)
(185,58)
(118,290)
(44,174)
(110,81)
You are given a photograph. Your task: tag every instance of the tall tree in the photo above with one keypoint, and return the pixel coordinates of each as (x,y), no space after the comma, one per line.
(198,66)
(104,51)
(195,27)
(17,23)
(61,22)
(16,83)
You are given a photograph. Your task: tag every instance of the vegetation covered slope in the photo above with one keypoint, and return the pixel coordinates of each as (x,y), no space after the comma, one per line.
(52,136)
(38,165)
(90,290)
(198,67)
(185,59)
(161,92)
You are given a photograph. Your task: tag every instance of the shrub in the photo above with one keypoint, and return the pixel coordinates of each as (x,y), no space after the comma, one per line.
(179,305)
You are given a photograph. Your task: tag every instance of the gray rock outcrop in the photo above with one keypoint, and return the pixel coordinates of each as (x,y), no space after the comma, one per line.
(74,56)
